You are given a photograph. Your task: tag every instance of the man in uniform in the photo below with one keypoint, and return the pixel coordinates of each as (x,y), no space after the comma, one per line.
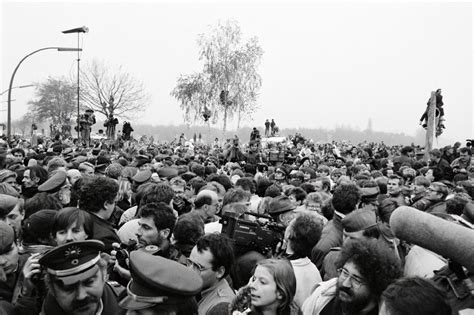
(160,286)
(76,274)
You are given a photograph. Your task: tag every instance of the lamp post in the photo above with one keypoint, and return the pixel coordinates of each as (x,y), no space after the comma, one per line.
(13,77)
(78,30)
(18,87)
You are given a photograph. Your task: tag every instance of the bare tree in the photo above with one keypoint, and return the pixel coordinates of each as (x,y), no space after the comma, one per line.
(111,90)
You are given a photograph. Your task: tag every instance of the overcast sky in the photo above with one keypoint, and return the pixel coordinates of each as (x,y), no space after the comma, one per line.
(324,64)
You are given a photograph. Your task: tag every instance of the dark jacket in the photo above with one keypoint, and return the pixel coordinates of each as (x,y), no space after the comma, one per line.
(441,170)
(103,230)
(331,237)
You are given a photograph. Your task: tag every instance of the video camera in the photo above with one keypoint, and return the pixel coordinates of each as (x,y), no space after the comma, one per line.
(247,235)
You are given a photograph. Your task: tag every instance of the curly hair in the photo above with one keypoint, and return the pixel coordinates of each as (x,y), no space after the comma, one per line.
(375,261)
(161,192)
(247,184)
(345,198)
(95,191)
(221,249)
(305,231)
(221,179)
(162,215)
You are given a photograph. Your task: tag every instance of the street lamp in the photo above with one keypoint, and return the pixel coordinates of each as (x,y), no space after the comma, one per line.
(17,87)
(13,77)
(78,30)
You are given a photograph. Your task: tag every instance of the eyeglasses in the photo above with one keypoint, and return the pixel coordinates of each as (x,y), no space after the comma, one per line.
(196,267)
(355,281)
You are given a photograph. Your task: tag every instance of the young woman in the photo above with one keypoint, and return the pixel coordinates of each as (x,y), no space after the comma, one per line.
(270,291)
(71,224)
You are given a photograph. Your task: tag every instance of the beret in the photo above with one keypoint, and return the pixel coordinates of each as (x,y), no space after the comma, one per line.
(54,183)
(142,176)
(156,280)
(74,261)
(359,220)
(167,172)
(280,204)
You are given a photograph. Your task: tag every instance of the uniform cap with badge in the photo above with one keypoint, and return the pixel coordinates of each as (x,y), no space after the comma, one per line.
(73,262)
(157,280)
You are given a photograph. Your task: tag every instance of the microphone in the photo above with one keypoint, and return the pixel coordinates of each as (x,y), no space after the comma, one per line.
(440,236)
(82,29)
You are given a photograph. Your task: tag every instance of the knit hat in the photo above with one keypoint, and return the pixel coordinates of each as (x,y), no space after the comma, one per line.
(114,170)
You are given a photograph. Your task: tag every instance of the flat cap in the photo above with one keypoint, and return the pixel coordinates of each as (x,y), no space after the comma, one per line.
(369,191)
(142,176)
(359,220)
(156,280)
(7,203)
(167,172)
(54,183)
(280,204)
(141,160)
(4,174)
(73,261)
(79,159)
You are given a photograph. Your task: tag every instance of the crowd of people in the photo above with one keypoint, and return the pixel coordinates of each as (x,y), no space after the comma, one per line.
(294,227)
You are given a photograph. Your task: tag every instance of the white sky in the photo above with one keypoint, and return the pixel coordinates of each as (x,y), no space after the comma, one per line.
(324,64)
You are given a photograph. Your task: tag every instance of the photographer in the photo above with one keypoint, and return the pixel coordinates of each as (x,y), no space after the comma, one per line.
(234,153)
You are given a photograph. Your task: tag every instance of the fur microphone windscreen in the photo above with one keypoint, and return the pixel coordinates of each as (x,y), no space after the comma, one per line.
(440,236)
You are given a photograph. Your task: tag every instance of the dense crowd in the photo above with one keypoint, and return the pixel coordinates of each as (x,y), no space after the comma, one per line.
(266,226)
